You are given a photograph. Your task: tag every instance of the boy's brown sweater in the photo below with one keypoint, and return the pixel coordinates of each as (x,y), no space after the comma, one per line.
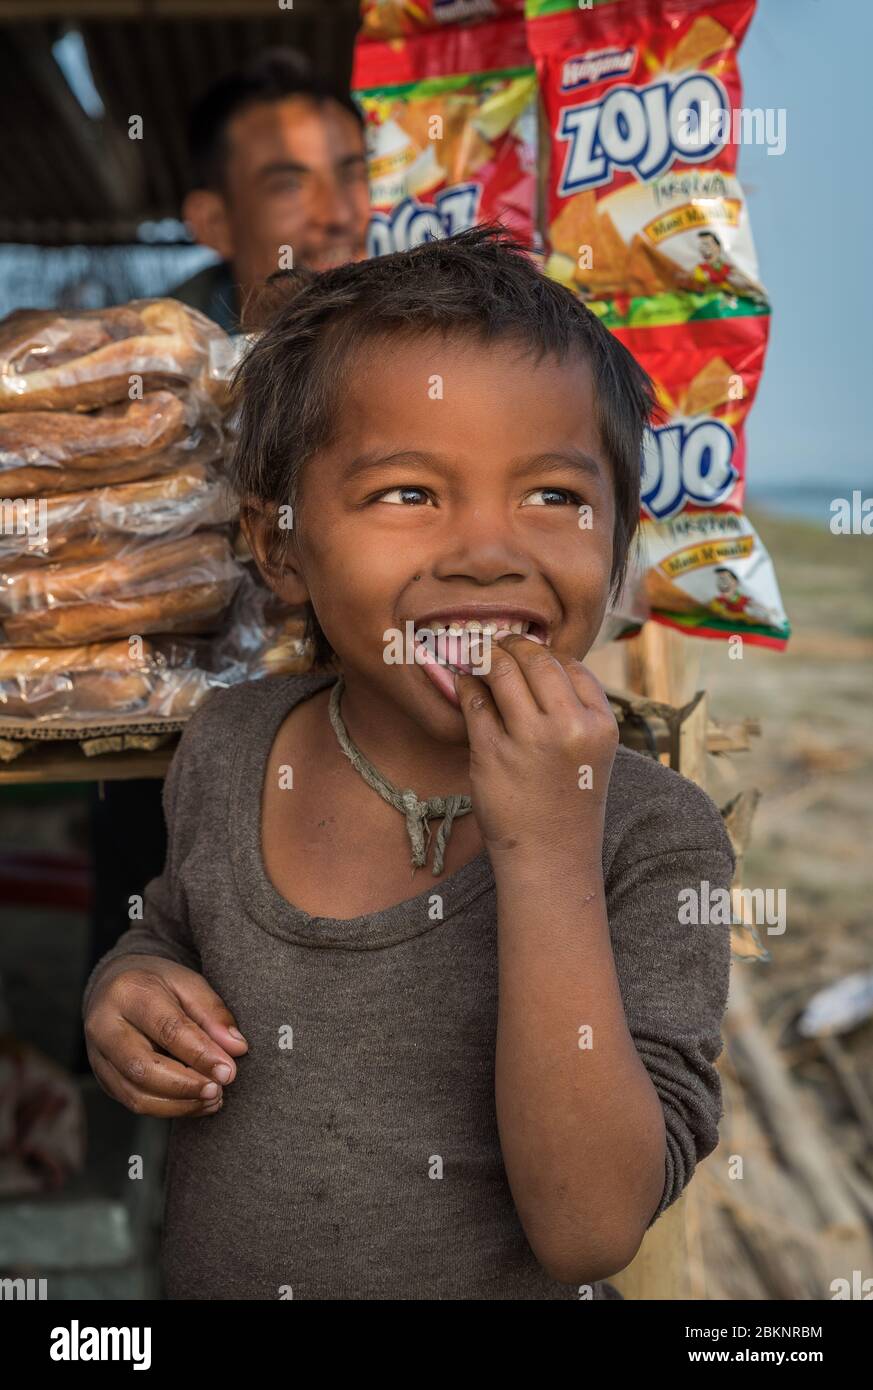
(357,1153)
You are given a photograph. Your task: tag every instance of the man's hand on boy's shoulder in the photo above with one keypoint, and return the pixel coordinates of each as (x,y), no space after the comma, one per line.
(542,744)
(160,1039)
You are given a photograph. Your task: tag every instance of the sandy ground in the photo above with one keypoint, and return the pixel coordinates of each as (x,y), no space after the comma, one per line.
(811,836)
(813,833)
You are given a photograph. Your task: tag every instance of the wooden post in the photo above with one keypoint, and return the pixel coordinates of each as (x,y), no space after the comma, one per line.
(660,1269)
(663,665)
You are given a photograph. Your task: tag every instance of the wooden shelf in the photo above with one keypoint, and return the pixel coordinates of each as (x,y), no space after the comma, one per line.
(65,762)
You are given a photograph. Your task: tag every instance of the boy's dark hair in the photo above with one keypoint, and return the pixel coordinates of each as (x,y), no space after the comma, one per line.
(273,75)
(481,283)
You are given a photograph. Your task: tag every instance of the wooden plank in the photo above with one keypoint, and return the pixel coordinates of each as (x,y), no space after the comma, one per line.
(663,664)
(693,743)
(660,666)
(65,762)
(660,1269)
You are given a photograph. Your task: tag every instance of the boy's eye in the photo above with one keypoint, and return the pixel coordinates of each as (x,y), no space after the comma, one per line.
(404,496)
(552,497)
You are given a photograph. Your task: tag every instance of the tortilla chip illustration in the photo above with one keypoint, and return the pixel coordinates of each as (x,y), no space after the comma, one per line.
(662,593)
(648,271)
(704,40)
(415,118)
(424,173)
(469,153)
(709,389)
(610,251)
(575,225)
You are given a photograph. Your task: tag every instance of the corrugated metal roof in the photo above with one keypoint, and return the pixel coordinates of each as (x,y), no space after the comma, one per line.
(66,177)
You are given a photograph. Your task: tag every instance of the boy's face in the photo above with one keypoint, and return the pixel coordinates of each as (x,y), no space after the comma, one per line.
(453,491)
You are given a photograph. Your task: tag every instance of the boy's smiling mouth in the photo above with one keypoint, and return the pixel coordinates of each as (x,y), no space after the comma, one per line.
(459,641)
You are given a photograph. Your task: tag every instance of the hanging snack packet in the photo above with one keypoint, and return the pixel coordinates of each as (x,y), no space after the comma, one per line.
(397,19)
(702,567)
(642,101)
(451,133)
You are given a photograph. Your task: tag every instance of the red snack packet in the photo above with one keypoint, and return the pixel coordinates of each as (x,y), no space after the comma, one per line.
(642,100)
(451,133)
(702,567)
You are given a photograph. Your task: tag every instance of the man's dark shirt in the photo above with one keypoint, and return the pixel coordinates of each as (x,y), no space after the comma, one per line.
(214,292)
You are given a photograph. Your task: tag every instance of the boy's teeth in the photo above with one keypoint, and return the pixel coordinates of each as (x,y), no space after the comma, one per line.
(457,629)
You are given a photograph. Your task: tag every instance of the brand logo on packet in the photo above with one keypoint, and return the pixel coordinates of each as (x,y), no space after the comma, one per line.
(586,68)
(687,462)
(641,129)
(412,223)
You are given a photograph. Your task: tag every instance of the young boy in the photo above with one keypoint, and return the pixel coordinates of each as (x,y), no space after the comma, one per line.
(483,1076)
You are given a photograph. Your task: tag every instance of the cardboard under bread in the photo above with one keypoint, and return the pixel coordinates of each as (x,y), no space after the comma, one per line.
(112,736)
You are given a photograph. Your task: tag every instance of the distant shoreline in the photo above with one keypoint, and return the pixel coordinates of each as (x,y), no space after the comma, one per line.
(802,501)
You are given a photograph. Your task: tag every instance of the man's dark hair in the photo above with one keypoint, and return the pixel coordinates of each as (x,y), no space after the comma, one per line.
(712,236)
(479,283)
(723,569)
(273,75)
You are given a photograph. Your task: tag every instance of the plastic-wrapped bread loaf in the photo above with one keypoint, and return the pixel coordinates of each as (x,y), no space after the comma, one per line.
(261,634)
(44,452)
(158,586)
(97,523)
(56,361)
(101,678)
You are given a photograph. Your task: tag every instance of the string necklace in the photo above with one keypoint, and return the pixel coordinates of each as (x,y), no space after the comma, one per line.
(417,812)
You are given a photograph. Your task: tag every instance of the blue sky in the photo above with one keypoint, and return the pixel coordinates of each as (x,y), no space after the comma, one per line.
(812,219)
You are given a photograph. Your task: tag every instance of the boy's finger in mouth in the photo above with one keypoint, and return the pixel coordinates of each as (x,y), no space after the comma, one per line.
(460,649)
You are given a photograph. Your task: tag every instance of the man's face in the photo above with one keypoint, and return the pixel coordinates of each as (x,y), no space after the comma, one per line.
(708,248)
(295,176)
(725,583)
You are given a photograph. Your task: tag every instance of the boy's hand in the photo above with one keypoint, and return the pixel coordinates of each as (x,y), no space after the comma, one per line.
(542,743)
(142,1003)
